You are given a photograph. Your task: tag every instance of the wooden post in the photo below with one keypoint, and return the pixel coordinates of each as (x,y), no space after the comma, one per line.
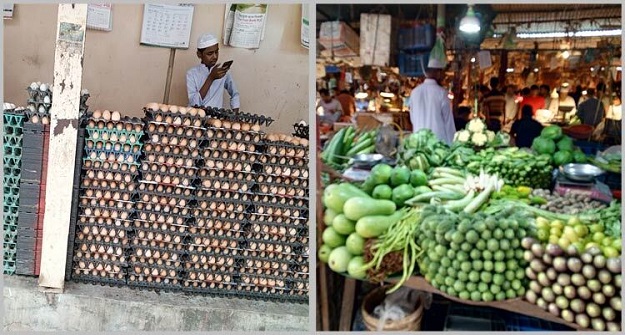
(170,71)
(68,59)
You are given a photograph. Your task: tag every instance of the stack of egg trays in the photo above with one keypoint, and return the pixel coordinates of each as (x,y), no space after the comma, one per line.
(35,147)
(226,177)
(276,255)
(40,101)
(106,204)
(12,135)
(80,144)
(165,199)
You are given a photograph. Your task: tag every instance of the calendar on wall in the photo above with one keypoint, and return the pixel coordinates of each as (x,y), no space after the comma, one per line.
(167,25)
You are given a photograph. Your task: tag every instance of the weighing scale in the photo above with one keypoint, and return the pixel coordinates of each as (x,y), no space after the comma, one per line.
(596,190)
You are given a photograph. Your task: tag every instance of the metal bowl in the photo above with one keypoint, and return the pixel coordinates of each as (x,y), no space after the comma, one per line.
(581,172)
(367,159)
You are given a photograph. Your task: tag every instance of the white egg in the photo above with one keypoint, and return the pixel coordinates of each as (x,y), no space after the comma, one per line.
(84,92)
(34,86)
(43,87)
(42,109)
(32,108)
(46,99)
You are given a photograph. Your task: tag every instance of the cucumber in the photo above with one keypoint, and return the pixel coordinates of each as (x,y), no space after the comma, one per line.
(359,207)
(376,225)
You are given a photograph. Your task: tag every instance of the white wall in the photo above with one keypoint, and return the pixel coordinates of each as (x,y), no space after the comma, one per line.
(123,75)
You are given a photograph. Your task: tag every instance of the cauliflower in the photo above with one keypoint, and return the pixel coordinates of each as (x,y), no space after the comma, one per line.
(479,139)
(490,135)
(462,136)
(476,125)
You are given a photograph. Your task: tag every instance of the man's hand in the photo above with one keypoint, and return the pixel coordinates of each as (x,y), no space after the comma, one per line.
(217,73)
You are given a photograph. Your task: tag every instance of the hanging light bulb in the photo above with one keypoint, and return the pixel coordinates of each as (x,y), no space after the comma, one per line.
(470,23)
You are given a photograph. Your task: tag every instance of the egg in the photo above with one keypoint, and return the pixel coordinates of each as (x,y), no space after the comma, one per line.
(201,113)
(193,111)
(84,92)
(33,86)
(106,114)
(43,87)
(164,108)
(32,108)
(115,116)
(46,99)
(42,109)
(152,105)
(173,109)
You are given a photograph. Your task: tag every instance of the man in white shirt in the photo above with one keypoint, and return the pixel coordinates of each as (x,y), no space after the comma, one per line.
(207,81)
(430,107)
(329,108)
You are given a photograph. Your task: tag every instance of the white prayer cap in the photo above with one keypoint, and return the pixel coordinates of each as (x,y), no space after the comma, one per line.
(434,63)
(206,40)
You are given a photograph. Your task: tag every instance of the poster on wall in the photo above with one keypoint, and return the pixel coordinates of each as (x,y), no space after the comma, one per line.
(167,26)
(244,25)
(7,11)
(305,30)
(99,17)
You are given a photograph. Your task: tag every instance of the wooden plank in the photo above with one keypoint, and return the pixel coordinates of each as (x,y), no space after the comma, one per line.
(323,307)
(347,305)
(68,59)
(518,305)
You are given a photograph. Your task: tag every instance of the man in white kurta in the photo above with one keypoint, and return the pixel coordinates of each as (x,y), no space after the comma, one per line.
(207,81)
(430,107)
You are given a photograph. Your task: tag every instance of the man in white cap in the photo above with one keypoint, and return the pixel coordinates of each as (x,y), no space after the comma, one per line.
(429,105)
(207,81)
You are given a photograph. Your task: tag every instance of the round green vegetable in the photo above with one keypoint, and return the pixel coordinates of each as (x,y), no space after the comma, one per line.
(324,253)
(418,178)
(402,193)
(339,259)
(332,238)
(381,174)
(566,143)
(383,191)
(355,268)
(543,145)
(400,175)
(355,244)
(343,225)
(563,157)
(552,132)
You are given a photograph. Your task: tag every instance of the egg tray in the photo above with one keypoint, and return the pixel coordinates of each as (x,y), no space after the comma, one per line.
(141,236)
(90,238)
(153,246)
(193,258)
(87,183)
(301,131)
(153,151)
(173,130)
(221,205)
(170,272)
(153,262)
(230,145)
(268,197)
(235,135)
(102,222)
(178,163)
(226,279)
(106,165)
(281,191)
(219,215)
(113,213)
(277,229)
(86,202)
(142,284)
(224,184)
(285,248)
(156,168)
(110,124)
(199,236)
(156,216)
(204,194)
(233,116)
(154,115)
(288,221)
(87,261)
(278,170)
(81,226)
(281,181)
(97,280)
(287,211)
(273,255)
(97,133)
(173,256)
(86,161)
(275,238)
(198,267)
(11,198)
(240,156)
(120,156)
(175,200)
(181,191)
(12,171)
(13,145)
(100,247)
(119,147)
(183,180)
(180,141)
(221,242)
(125,195)
(290,150)
(149,207)
(300,162)
(13,118)
(228,165)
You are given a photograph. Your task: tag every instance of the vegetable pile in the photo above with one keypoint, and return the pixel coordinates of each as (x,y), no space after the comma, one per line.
(474,256)
(581,288)
(558,147)
(475,134)
(422,150)
(398,184)
(347,143)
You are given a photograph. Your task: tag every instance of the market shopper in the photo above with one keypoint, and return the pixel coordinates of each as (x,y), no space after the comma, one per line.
(591,111)
(430,107)
(348,104)
(511,107)
(328,108)
(207,81)
(534,99)
(525,130)
(565,101)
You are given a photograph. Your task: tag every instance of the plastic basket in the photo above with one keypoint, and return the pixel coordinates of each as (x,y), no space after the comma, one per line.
(418,37)
(412,65)
(515,322)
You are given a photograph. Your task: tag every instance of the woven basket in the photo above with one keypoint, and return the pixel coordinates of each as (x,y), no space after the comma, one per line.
(579,132)
(411,322)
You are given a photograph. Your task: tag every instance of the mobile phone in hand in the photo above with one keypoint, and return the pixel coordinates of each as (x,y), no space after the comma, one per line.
(227,65)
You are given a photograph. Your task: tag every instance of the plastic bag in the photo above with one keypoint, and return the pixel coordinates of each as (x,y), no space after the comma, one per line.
(399,304)
(387,141)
